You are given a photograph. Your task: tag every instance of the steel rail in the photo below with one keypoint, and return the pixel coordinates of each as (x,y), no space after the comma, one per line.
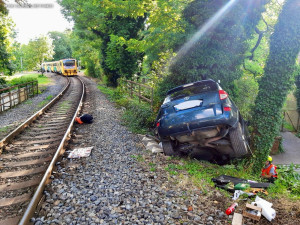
(20,128)
(60,151)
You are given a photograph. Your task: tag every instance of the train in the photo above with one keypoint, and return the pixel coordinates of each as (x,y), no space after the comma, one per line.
(66,67)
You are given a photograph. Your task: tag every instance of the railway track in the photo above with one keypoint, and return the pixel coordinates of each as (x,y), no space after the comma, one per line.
(31,151)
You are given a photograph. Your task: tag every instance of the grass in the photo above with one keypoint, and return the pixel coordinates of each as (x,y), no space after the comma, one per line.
(288,126)
(4,129)
(42,79)
(138,116)
(201,172)
(138,157)
(44,102)
(28,102)
(64,106)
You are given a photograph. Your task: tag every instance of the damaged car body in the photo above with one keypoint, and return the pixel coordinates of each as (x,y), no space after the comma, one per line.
(200,116)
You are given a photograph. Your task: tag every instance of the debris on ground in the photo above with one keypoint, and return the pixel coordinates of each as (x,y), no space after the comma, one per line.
(267,211)
(80,152)
(252,212)
(237,219)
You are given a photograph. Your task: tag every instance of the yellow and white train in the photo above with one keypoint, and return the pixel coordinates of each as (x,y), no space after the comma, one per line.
(66,67)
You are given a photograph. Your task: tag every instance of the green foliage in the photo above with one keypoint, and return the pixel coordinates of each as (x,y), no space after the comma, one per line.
(276,82)
(34,53)
(21,80)
(297,92)
(244,94)
(138,116)
(3,83)
(201,172)
(4,129)
(61,43)
(219,53)
(258,52)
(6,40)
(113,27)
(288,182)
(45,101)
(138,157)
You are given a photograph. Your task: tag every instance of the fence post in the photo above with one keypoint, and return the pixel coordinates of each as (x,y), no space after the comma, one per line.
(27,92)
(10,104)
(37,87)
(19,95)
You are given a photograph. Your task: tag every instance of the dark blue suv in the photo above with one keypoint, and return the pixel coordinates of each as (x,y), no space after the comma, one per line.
(201,117)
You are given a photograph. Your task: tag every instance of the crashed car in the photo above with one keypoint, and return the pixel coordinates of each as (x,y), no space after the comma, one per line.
(200,116)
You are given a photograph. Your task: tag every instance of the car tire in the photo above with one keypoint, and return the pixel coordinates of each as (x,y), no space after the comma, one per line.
(238,141)
(168,148)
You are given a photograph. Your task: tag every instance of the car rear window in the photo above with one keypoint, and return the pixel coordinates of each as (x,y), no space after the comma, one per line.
(191,90)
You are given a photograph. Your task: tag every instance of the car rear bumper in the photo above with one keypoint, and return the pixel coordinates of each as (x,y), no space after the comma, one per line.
(168,128)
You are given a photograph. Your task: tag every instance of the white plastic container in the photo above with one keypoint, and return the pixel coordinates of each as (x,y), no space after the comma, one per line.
(267,211)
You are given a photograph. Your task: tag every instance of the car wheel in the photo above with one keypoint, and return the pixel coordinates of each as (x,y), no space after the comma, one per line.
(168,148)
(238,141)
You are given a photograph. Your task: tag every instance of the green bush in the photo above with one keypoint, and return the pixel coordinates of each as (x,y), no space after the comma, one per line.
(244,94)
(138,117)
(288,182)
(3,83)
(21,80)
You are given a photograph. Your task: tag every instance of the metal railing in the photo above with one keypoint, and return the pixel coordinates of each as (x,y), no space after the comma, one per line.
(14,95)
(142,91)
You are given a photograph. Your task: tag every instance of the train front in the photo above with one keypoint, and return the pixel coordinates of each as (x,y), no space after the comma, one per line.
(69,67)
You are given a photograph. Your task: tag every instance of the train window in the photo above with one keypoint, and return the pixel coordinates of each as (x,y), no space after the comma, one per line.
(69,62)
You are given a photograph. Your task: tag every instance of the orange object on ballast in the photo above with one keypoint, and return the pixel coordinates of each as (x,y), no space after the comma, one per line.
(78,120)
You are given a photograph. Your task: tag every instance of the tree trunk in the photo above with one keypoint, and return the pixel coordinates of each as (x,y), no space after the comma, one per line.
(277,80)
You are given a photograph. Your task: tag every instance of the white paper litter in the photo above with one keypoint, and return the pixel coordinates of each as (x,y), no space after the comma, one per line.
(80,152)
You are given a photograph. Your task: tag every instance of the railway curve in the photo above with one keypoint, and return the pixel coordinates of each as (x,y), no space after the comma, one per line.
(31,151)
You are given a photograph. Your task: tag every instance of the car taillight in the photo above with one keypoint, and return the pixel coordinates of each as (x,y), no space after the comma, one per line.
(157,124)
(227,109)
(223,95)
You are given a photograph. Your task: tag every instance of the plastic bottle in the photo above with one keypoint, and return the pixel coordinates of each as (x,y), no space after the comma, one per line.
(231,208)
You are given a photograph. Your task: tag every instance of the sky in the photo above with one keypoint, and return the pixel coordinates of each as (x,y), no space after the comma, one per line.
(44,16)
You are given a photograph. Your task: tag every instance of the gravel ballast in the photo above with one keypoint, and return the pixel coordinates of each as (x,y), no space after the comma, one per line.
(13,117)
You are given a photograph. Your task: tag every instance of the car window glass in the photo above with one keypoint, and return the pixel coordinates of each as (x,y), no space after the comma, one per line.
(193,90)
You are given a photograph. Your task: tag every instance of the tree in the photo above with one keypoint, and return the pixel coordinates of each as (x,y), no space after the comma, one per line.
(258,52)
(6,37)
(219,53)
(36,52)
(112,22)
(61,42)
(277,80)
